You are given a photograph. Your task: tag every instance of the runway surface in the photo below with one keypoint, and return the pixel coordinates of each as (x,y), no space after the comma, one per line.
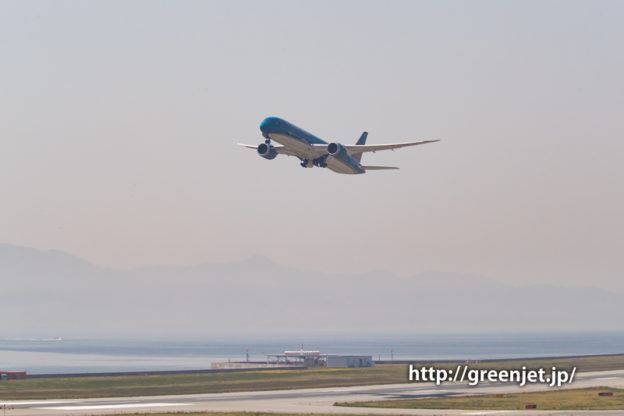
(305,400)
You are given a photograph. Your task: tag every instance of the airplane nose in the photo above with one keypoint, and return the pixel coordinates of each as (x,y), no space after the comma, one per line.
(269,124)
(264,126)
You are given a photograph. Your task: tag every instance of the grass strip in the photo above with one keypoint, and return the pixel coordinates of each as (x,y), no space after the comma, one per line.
(569,399)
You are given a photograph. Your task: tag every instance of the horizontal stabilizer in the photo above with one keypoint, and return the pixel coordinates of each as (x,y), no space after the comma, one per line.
(379,167)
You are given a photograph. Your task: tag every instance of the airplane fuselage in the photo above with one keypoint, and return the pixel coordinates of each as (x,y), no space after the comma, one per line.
(303,144)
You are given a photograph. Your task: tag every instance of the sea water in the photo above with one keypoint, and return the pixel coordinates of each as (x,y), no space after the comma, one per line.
(76,355)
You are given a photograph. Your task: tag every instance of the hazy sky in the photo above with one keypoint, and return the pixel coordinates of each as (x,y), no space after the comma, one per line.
(118,124)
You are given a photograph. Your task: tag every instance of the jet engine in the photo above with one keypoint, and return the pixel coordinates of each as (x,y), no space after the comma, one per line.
(336,149)
(267,151)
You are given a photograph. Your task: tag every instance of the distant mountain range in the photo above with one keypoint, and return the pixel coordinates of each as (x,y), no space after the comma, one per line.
(56,294)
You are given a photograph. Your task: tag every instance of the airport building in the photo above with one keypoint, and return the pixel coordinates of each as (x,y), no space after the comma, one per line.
(299,359)
(349,361)
(12,375)
(315,358)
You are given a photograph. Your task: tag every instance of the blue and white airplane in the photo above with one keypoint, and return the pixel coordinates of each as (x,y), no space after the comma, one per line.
(313,151)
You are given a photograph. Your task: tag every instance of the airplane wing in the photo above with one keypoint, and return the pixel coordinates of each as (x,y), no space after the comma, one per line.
(282,150)
(362,148)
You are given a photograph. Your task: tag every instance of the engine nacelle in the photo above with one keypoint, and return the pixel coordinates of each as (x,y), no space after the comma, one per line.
(336,150)
(267,151)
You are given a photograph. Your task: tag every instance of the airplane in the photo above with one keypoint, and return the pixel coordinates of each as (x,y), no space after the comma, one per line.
(313,151)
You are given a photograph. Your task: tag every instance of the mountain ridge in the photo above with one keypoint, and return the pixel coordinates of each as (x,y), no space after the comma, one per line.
(55,292)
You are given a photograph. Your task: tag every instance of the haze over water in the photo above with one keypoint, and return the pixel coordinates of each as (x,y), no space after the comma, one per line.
(108,355)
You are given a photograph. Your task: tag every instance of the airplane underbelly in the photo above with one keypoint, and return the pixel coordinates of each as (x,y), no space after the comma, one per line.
(340,166)
(303,150)
(300,147)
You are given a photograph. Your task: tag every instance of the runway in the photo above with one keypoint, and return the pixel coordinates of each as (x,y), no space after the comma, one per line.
(304,400)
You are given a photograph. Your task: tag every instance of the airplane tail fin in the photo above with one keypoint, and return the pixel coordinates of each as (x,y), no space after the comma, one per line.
(361,141)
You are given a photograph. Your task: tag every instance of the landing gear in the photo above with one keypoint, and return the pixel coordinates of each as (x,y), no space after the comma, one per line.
(321,162)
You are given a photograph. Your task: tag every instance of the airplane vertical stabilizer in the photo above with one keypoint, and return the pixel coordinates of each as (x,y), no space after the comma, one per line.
(361,141)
